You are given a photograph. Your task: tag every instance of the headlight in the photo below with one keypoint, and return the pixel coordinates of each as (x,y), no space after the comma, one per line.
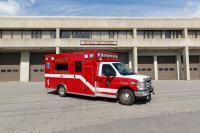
(140,85)
(133,83)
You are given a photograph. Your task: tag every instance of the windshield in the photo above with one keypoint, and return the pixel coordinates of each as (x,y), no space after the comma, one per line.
(122,69)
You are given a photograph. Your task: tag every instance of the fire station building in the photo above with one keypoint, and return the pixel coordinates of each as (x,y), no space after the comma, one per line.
(164,48)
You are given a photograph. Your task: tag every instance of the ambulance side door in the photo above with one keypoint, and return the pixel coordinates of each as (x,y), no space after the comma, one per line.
(76,70)
(105,81)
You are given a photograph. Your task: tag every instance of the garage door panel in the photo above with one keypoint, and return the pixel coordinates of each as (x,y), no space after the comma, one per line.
(9,67)
(147,69)
(37,73)
(167,68)
(195,71)
(195,67)
(167,72)
(37,66)
(145,66)
(9,72)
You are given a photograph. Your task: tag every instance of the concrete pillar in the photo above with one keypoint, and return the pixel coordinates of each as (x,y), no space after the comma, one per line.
(186,62)
(24,66)
(135,60)
(130,59)
(178,65)
(58,51)
(185,33)
(57,32)
(134,32)
(155,62)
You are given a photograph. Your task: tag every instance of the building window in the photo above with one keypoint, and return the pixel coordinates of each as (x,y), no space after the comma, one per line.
(111,34)
(81,34)
(65,34)
(148,34)
(157,34)
(22,34)
(193,33)
(104,34)
(78,66)
(53,34)
(11,33)
(96,34)
(36,34)
(173,34)
(86,34)
(167,34)
(61,67)
(129,34)
(0,34)
(76,34)
(122,34)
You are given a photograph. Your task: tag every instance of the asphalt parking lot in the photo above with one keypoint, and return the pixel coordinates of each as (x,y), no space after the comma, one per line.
(27,108)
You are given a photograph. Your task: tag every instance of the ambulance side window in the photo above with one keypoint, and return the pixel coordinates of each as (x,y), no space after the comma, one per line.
(108,70)
(61,67)
(78,66)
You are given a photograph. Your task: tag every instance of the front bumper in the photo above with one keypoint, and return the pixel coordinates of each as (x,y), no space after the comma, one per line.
(144,93)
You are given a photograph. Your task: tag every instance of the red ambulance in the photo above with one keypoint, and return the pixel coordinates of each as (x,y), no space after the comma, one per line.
(95,73)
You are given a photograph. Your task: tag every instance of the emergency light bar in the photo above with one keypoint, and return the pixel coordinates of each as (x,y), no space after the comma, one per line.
(102,55)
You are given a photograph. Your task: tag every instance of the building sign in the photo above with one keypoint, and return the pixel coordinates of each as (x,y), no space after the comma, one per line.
(87,42)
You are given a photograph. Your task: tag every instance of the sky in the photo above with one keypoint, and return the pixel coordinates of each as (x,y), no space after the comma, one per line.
(125,8)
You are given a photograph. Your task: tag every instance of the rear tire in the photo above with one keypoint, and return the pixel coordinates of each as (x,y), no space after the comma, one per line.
(62,91)
(126,97)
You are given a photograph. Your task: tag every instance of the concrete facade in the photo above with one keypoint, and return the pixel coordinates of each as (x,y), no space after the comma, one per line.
(178,37)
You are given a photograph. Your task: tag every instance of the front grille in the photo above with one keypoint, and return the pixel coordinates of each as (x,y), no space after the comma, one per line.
(148,83)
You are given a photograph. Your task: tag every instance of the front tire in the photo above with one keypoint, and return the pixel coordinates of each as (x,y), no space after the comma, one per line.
(62,91)
(149,98)
(126,97)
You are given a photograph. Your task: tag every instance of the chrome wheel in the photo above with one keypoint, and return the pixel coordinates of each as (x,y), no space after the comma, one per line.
(126,97)
(62,91)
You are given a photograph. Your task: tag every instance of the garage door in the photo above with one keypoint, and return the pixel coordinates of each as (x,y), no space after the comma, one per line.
(195,67)
(37,66)
(167,69)
(123,57)
(9,67)
(145,66)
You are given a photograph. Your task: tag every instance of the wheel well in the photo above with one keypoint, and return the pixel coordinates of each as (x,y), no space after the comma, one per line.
(123,88)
